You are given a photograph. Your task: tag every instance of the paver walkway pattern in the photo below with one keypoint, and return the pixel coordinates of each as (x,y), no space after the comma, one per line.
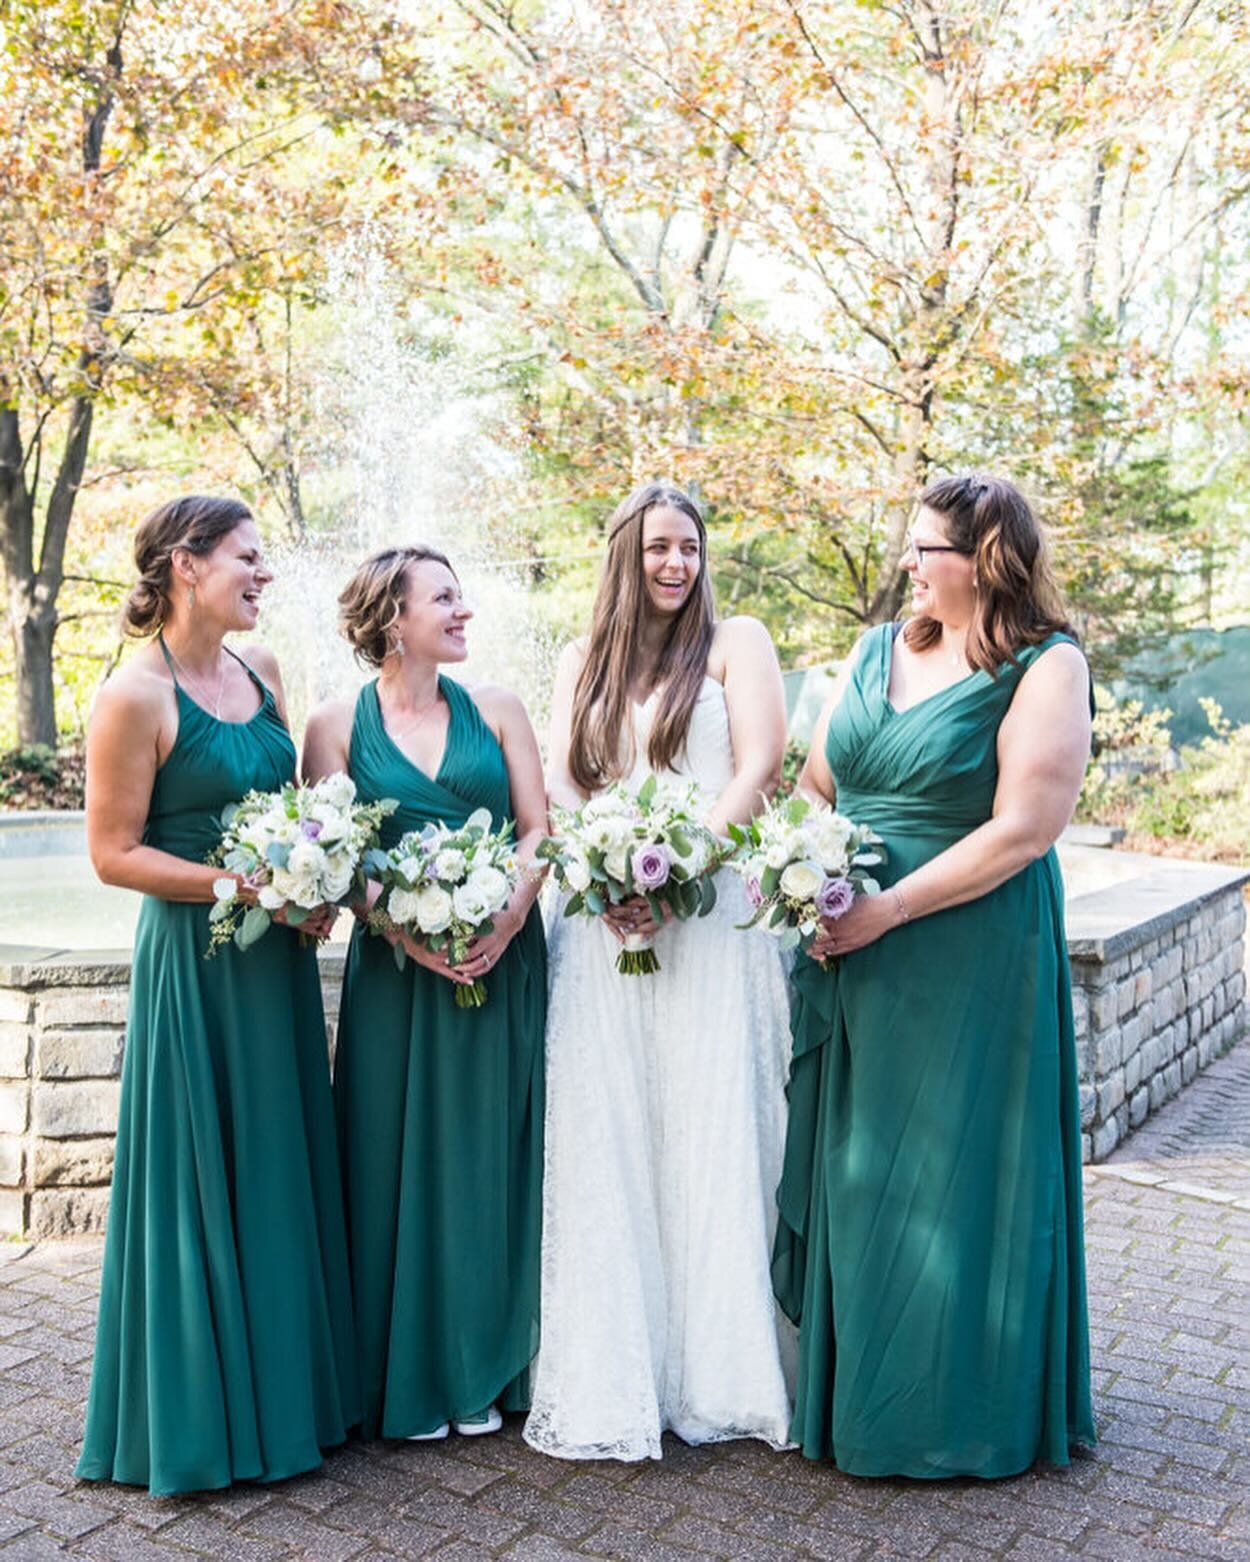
(1168,1230)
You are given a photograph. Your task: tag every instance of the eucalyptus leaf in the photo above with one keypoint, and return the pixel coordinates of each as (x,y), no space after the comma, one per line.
(255,923)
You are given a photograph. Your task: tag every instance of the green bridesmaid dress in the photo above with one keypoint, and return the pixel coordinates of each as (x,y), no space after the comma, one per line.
(225,1346)
(929,1242)
(440,1115)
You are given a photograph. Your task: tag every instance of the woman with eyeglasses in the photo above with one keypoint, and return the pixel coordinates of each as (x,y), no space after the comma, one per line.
(930,1242)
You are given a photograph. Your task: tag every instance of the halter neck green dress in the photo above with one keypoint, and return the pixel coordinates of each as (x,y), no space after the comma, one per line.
(225,1347)
(440,1115)
(929,1243)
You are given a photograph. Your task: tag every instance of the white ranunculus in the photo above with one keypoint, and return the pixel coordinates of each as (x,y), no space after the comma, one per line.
(700,853)
(339,790)
(491,885)
(801,880)
(307,860)
(434,909)
(606,806)
(303,889)
(449,864)
(614,863)
(777,854)
(401,905)
(469,904)
(577,872)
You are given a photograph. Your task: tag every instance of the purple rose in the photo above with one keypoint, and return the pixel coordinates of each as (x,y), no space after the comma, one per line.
(651,866)
(310,829)
(834,898)
(754,893)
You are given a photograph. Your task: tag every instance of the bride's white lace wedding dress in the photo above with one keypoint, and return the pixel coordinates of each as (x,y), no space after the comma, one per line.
(665,1123)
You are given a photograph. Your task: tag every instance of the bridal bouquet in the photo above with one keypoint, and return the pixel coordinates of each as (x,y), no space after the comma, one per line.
(803,863)
(299,848)
(443,886)
(623,843)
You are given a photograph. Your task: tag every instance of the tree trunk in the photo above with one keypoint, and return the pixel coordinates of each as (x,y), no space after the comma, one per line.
(33,618)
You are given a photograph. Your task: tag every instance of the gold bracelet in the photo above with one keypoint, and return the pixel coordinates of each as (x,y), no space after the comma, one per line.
(901,904)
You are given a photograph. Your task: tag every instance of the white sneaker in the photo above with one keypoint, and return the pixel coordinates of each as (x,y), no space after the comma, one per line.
(428,1437)
(489,1421)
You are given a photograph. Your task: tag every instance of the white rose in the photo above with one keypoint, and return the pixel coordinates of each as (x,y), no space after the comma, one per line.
(337,879)
(307,860)
(339,790)
(491,885)
(269,898)
(302,889)
(449,864)
(576,873)
(469,904)
(434,909)
(801,880)
(335,824)
(614,863)
(402,904)
(410,867)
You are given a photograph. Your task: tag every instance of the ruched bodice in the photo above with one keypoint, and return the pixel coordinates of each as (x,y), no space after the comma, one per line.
(707,757)
(930,770)
(211,764)
(472,773)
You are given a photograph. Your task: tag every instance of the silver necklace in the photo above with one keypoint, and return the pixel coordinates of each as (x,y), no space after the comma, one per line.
(215,706)
(414,722)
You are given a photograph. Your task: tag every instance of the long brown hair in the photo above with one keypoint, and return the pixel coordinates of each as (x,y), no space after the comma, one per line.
(1017,600)
(613,658)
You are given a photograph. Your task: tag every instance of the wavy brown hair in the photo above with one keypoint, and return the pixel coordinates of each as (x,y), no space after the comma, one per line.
(196,522)
(613,657)
(372,601)
(1018,603)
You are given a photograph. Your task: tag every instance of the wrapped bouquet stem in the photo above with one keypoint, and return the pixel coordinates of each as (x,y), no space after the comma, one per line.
(621,844)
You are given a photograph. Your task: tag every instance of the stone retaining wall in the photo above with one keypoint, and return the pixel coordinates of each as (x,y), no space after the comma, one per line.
(1158,998)
(1158,982)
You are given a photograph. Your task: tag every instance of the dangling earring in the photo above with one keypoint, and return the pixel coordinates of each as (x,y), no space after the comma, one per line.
(397,648)
(191,599)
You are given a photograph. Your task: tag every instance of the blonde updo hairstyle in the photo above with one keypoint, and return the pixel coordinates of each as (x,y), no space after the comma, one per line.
(372,601)
(196,522)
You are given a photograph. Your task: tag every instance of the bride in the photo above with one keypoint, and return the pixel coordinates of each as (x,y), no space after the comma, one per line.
(665,1103)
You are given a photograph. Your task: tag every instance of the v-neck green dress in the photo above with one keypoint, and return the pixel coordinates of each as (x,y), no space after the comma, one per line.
(225,1345)
(930,1242)
(440,1115)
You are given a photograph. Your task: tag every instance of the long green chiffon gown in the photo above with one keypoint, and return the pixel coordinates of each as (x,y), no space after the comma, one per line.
(440,1115)
(929,1242)
(225,1348)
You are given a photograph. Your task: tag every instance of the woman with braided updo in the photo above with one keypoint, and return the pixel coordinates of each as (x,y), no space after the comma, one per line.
(225,1347)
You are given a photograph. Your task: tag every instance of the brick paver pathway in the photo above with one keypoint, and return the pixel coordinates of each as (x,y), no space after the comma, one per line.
(1169,1254)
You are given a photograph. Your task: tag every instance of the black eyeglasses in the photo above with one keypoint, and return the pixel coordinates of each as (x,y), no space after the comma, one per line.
(923,549)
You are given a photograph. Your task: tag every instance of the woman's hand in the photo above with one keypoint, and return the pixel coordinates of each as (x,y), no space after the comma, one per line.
(634,916)
(484,954)
(869,917)
(318,924)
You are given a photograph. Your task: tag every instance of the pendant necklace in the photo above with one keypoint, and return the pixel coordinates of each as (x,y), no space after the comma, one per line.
(213,706)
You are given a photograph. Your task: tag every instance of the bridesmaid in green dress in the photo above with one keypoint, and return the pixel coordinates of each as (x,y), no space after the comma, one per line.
(930,1240)
(225,1345)
(440,1108)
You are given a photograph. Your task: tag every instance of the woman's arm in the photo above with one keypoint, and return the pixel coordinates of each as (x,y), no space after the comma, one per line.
(757,720)
(1043,746)
(561,787)
(327,740)
(123,755)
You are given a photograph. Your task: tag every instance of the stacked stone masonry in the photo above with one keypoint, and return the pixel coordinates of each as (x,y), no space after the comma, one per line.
(1159,990)
(1150,1015)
